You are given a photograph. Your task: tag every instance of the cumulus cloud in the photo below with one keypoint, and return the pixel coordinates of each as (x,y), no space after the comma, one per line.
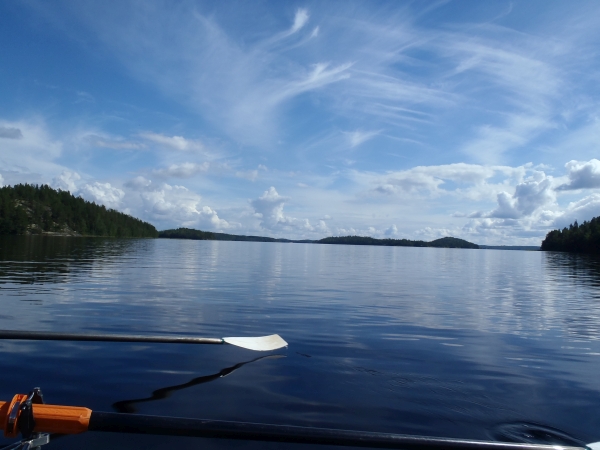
(208,218)
(582,175)
(138,183)
(429,179)
(185,170)
(10,133)
(174,142)
(530,196)
(269,207)
(103,194)
(391,231)
(171,206)
(67,181)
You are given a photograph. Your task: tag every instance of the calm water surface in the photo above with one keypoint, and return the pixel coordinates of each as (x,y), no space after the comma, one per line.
(479,344)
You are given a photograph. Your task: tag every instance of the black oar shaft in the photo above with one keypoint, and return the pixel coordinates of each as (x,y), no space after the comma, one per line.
(173,426)
(52,336)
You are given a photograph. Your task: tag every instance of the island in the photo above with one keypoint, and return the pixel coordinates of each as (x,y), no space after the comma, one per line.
(32,209)
(584,238)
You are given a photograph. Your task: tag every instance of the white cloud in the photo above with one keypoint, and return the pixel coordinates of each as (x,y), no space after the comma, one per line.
(67,181)
(582,175)
(430,180)
(320,75)
(184,170)
(269,207)
(32,158)
(174,142)
(208,218)
(581,210)
(103,194)
(1,181)
(251,175)
(355,138)
(138,183)
(529,197)
(492,142)
(83,96)
(391,231)
(171,206)
(115,144)
(300,20)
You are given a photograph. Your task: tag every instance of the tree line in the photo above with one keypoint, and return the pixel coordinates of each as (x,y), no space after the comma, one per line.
(446,242)
(199,235)
(33,209)
(584,238)
(190,233)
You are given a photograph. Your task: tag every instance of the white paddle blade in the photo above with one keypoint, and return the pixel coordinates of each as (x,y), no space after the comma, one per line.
(594,445)
(261,344)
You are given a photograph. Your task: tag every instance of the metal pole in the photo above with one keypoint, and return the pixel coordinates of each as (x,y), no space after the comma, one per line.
(52,336)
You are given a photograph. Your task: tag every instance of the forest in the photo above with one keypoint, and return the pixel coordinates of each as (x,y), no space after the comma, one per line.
(584,238)
(446,242)
(33,209)
(190,233)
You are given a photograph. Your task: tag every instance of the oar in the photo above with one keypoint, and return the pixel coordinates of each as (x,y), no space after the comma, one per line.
(73,420)
(261,343)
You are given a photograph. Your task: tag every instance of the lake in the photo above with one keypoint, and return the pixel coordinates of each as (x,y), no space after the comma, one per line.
(481,344)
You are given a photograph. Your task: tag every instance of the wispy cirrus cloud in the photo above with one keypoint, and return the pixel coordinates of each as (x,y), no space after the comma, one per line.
(173,142)
(113,143)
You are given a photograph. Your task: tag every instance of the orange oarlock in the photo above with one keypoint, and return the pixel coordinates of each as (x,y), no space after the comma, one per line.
(9,415)
(48,418)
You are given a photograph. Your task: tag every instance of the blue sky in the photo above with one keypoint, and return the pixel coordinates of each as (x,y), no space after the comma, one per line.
(417,120)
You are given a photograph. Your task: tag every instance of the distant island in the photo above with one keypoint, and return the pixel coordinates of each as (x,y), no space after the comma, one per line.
(198,235)
(584,238)
(189,233)
(531,248)
(445,242)
(32,209)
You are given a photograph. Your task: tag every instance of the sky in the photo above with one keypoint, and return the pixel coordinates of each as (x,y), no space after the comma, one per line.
(307,119)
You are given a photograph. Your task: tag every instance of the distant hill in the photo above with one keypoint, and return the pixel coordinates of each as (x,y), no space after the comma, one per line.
(584,238)
(188,233)
(446,242)
(33,209)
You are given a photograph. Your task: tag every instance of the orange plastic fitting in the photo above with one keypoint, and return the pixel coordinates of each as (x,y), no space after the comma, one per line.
(48,418)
